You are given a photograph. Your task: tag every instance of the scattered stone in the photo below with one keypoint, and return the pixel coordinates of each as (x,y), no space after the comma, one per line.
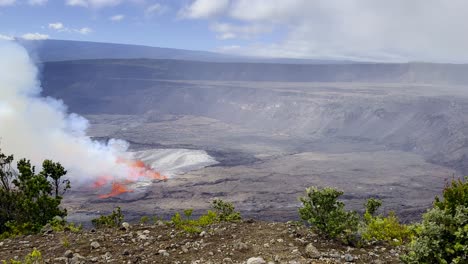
(227,261)
(126,252)
(95,245)
(242,247)
(203,234)
(256,260)
(312,252)
(348,258)
(107,256)
(125,226)
(68,254)
(163,252)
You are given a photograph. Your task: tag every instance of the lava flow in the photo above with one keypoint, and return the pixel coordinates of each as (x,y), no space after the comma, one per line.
(138,170)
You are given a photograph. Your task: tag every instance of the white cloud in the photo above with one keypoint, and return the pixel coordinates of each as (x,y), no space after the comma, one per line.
(229,31)
(37,2)
(94,3)
(7,2)
(6,37)
(84,31)
(57,26)
(117,18)
(155,9)
(204,9)
(417,30)
(35,36)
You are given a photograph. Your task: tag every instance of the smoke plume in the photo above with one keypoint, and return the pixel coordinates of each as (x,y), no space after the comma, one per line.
(39,128)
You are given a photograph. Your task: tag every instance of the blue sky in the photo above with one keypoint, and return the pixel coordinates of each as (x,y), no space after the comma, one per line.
(397,30)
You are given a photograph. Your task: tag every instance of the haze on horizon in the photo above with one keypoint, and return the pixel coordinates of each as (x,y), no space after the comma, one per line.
(363,30)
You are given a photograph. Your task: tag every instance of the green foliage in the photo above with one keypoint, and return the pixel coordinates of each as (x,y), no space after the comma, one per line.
(442,237)
(225,211)
(192,226)
(58,225)
(28,200)
(35,257)
(144,219)
(385,229)
(65,242)
(115,219)
(321,209)
(188,213)
(372,205)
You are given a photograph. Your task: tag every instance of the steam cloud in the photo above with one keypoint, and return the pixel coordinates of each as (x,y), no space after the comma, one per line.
(40,128)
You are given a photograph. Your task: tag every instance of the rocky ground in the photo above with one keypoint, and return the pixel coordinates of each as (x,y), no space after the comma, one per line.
(251,242)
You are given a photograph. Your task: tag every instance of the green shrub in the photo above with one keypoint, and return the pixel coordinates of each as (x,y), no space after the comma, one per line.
(115,219)
(225,211)
(192,226)
(144,219)
(28,200)
(35,257)
(385,229)
(442,237)
(372,205)
(382,228)
(321,209)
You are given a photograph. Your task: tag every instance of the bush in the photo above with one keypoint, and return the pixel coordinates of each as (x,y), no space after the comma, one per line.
(326,214)
(385,229)
(382,228)
(28,200)
(442,237)
(225,211)
(113,220)
(192,226)
(144,219)
(35,257)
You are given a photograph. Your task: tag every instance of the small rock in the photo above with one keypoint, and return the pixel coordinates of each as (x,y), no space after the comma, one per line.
(125,226)
(202,234)
(47,229)
(312,252)
(68,254)
(227,261)
(126,252)
(239,246)
(163,252)
(348,257)
(280,240)
(107,256)
(256,260)
(95,245)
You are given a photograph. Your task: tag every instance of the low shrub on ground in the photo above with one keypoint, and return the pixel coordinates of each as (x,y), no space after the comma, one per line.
(113,220)
(326,214)
(382,228)
(387,228)
(222,212)
(144,220)
(35,257)
(442,237)
(225,211)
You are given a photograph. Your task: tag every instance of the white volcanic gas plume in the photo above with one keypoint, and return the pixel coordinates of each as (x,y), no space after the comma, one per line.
(39,128)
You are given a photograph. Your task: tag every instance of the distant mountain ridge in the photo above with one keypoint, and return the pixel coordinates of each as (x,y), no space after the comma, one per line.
(169,69)
(63,50)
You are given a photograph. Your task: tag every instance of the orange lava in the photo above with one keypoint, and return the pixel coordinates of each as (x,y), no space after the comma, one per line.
(137,170)
(117,189)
